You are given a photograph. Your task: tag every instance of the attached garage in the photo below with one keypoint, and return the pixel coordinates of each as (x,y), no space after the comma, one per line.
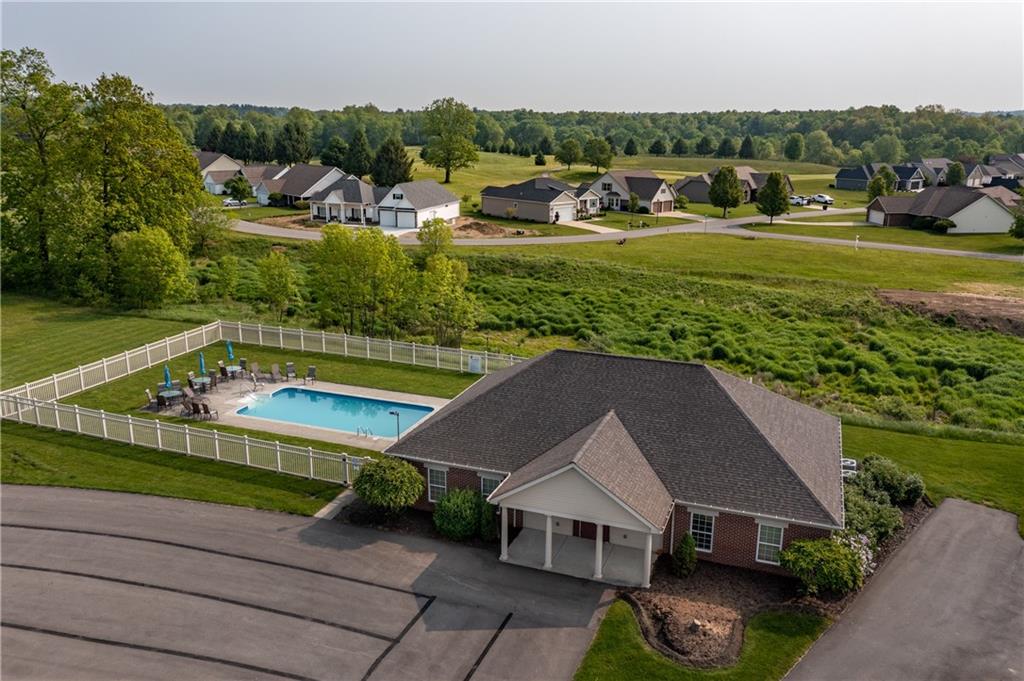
(410,204)
(564,211)
(876,217)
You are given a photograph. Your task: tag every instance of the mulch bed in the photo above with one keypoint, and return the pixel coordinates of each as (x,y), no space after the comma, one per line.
(699,621)
(410,521)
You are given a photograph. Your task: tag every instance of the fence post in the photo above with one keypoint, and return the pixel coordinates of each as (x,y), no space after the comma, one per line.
(103,423)
(105,376)
(239,332)
(391,350)
(309,452)
(461,368)
(246,438)
(216,445)
(81,378)
(131,431)
(302,339)
(35,408)
(56,390)
(280,336)
(167,346)
(203,327)
(184,334)
(414,352)
(188,445)
(437,356)
(78,421)
(348,469)
(149,360)
(28,391)
(259,332)
(277,454)
(159,439)
(486,355)
(367,346)
(344,340)
(323,341)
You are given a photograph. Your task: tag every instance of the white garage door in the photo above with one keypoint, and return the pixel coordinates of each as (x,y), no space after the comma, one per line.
(876,217)
(387,218)
(566,211)
(406,220)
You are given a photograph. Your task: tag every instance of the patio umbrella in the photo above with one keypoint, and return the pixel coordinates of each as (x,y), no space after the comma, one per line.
(202,365)
(231,351)
(167,376)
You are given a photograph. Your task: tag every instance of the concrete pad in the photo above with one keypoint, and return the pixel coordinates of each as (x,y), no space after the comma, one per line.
(574,556)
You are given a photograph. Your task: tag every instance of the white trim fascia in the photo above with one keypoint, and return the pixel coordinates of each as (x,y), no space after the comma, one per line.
(703,510)
(736,511)
(438,464)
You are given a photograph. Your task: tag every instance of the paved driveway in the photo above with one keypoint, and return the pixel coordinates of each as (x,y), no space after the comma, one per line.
(948,605)
(99,585)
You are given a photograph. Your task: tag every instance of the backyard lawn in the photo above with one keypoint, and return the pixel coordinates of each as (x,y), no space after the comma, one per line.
(259,212)
(985,243)
(622,219)
(773,642)
(744,210)
(37,456)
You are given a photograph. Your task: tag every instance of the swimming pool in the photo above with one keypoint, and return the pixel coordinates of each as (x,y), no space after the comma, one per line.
(336,411)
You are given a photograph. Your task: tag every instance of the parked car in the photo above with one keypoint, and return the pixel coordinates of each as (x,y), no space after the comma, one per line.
(230,203)
(823,198)
(798,200)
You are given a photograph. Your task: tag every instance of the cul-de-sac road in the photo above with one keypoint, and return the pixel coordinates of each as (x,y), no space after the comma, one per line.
(100,585)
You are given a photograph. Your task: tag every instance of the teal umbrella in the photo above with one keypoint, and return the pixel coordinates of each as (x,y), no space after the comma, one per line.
(202,365)
(167,376)
(231,351)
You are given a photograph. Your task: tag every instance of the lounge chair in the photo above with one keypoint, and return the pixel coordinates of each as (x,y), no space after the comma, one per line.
(150,402)
(186,407)
(197,410)
(259,374)
(310,374)
(275,372)
(210,414)
(289,371)
(189,391)
(257,384)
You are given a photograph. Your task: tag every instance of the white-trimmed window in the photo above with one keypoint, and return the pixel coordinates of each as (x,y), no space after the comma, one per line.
(488,484)
(437,484)
(702,528)
(769,543)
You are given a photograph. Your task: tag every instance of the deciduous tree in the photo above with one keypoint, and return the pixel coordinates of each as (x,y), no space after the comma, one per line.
(725,191)
(150,270)
(449,126)
(238,188)
(277,282)
(773,197)
(447,308)
(435,236)
(569,152)
(794,148)
(334,153)
(955,174)
(598,153)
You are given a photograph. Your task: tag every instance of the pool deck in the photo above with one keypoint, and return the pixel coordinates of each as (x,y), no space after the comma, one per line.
(231,396)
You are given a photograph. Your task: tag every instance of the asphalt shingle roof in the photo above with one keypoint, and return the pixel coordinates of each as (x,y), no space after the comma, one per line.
(352,190)
(300,177)
(424,193)
(711,439)
(205,158)
(540,190)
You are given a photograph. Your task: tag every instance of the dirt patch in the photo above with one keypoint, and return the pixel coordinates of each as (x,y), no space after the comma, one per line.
(966,310)
(291,222)
(471,228)
(699,621)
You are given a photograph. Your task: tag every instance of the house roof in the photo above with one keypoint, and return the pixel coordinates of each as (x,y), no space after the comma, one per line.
(854,173)
(221,176)
(1007,197)
(206,158)
(711,439)
(424,193)
(540,190)
(703,177)
(893,204)
(606,453)
(939,163)
(943,202)
(644,183)
(1013,159)
(256,173)
(301,177)
(866,172)
(352,190)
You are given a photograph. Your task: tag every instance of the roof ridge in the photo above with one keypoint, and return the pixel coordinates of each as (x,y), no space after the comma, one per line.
(712,371)
(600,421)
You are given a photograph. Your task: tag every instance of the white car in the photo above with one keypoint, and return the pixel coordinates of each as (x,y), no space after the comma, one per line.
(230,203)
(823,198)
(798,200)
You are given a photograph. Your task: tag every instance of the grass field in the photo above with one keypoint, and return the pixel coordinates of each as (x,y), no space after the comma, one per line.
(625,220)
(719,256)
(41,337)
(825,216)
(744,210)
(540,228)
(982,472)
(259,212)
(773,642)
(36,456)
(984,243)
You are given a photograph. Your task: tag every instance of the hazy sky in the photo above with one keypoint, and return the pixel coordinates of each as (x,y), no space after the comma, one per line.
(544,56)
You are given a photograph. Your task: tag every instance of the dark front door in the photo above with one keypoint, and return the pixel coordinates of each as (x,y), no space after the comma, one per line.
(588,530)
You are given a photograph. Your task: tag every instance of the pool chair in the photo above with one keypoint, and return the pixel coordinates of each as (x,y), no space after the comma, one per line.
(259,374)
(257,384)
(210,414)
(197,410)
(150,402)
(310,374)
(186,407)
(275,372)
(289,371)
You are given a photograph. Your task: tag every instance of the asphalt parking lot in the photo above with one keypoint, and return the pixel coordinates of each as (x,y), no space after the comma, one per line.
(100,585)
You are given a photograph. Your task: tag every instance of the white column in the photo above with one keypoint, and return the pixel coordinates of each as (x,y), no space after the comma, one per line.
(547,542)
(599,551)
(504,533)
(647,561)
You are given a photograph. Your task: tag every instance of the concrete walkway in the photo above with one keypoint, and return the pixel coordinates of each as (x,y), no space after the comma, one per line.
(590,226)
(729,226)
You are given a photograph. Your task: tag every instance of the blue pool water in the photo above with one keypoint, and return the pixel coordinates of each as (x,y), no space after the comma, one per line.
(338,412)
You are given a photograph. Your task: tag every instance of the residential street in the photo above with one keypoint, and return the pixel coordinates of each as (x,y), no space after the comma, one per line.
(101,585)
(948,606)
(730,226)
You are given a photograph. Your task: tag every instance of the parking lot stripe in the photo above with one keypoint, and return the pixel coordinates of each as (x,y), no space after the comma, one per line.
(398,639)
(487,648)
(221,599)
(154,649)
(217,552)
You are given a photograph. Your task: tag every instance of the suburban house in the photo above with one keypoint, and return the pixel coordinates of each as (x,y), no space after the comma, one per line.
(298,183)
(599,462)
(1008,197)
(257,173)
(1009,165)
(614,187)
(971,210)
(697,187)
(216,168)
(541,199)
(933,169)
(347,200)
(409,204)
(982,175)
(909,177)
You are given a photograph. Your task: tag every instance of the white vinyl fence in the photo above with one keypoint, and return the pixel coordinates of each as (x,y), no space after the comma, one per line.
(209,444)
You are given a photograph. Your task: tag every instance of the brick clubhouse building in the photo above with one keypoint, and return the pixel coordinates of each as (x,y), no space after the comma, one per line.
(599,462)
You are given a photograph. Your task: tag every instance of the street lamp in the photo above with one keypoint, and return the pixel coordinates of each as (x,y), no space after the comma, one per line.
(398,423)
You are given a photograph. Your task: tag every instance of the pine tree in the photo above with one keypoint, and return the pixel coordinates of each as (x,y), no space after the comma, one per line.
(657,147)
(726,148)
(630,149)
(772,198)
(747,147)
(725,191)
(292,144)
(358,157)
(213,139)
(263,147)
(794,149)
(680,148)
(547,147)
(540,159)
(334,153)
(392,164)
(705,146)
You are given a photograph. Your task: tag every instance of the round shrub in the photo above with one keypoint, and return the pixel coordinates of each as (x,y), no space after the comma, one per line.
(876,520)
(301,205)
(824,566)
(684,557)
(457,514)
(389,484)
(904,489)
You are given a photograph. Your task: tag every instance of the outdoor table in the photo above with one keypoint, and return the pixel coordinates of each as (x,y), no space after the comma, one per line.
(202,381)
(170,394)
(233,369)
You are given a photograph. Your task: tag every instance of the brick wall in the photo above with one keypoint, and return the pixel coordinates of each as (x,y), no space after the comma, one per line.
(457,478)
(735,540)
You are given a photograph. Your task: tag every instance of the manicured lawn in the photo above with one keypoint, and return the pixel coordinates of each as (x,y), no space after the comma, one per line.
(983,472)
(744,210)
(542,229)
(985,243)
(36,456)
(41,337)
(773,642)
(259,212)
(491,169)
(622,219)
(826,216)
(718,256)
